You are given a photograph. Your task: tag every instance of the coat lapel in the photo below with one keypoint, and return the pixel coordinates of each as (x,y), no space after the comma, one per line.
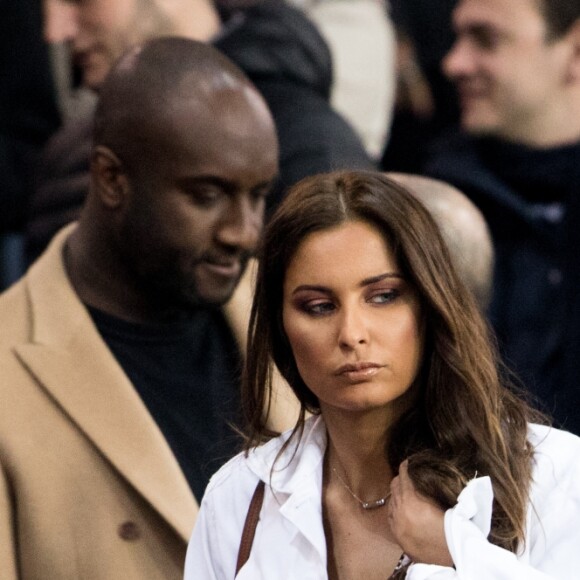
(71,362)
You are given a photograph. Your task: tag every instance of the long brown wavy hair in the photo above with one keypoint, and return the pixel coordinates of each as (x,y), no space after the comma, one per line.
(467,419)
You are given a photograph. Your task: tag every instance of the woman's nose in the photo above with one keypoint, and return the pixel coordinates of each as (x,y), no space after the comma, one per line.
(353,330)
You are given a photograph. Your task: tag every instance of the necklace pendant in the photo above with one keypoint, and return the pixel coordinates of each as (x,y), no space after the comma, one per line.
(371,505)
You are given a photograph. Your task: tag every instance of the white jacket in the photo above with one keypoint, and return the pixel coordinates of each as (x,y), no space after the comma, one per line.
(290,542)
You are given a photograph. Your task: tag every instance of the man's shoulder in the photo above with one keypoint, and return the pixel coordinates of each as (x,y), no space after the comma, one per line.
(459,159)
(15,314)
(454,158)
(43,290)
(448,148)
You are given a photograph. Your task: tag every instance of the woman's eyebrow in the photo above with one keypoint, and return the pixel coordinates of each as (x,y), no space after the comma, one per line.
(380,278)
(311,287)
(365,282)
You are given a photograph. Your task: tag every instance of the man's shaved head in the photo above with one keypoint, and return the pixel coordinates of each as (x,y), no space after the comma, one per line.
(146,86)
(463,227)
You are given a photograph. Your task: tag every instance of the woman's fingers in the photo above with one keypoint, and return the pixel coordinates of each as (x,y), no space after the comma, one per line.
(416,522)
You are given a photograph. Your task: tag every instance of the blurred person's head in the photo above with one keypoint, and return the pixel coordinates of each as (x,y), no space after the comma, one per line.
(516,64)
(99,31)
(463,228)
(184,153)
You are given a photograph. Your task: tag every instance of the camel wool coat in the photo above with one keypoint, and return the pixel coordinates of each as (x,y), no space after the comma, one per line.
(89,488)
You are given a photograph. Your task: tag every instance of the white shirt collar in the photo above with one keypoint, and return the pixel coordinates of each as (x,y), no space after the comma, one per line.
(297,462)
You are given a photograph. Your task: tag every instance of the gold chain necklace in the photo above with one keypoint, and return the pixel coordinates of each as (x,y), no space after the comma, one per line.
(366,505)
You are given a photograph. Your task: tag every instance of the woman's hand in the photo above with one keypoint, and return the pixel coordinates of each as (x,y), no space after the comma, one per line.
(417,522)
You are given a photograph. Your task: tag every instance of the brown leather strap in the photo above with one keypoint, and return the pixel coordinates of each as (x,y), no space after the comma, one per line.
(250,526)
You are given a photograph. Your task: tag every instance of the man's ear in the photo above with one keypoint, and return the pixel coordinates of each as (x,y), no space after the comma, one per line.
(573,36)
(109,177)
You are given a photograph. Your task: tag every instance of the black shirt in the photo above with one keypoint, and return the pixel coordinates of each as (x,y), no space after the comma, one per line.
(187,373)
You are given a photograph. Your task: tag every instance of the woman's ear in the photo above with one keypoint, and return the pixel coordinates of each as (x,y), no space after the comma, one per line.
(109,177)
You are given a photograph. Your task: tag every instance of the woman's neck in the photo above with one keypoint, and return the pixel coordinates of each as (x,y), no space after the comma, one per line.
(357,451)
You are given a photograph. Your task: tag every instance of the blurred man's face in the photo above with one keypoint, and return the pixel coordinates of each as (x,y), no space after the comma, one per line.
(510,75)
(99,31)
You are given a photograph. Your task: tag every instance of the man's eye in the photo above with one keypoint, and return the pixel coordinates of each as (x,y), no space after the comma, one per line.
(486,39)
(205,195)
(261,193)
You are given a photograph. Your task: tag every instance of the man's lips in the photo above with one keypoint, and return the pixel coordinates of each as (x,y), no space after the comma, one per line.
(226,269)
(469,91)
(88,56)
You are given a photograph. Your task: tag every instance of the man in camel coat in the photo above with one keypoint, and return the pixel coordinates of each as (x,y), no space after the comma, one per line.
(119,371)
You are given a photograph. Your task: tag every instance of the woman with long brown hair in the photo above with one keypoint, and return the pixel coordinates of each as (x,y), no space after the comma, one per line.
(419,460)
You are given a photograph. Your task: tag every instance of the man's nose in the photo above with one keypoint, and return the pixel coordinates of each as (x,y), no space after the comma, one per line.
(242,225)
(459,60)
(60,21)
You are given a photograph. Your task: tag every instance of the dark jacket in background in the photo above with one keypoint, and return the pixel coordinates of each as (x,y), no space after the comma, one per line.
(28,111)
(427,25)
(289,62)
(531,200)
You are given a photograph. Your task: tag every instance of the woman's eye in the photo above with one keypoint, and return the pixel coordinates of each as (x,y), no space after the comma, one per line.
(384,297)
(318,307)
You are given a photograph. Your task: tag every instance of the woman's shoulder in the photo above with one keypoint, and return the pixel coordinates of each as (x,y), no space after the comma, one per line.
(235,479)
(247,467)
(228,495)
(556,457)
(552,441)
(554,499)
(242,472)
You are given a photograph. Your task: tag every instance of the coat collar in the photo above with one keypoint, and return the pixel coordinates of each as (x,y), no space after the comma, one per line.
(68,358)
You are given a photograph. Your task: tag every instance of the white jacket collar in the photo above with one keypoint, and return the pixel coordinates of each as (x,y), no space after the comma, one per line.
(296,482)
(297,462)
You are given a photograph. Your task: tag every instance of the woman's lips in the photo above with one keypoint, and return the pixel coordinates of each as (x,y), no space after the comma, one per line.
(359,372)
